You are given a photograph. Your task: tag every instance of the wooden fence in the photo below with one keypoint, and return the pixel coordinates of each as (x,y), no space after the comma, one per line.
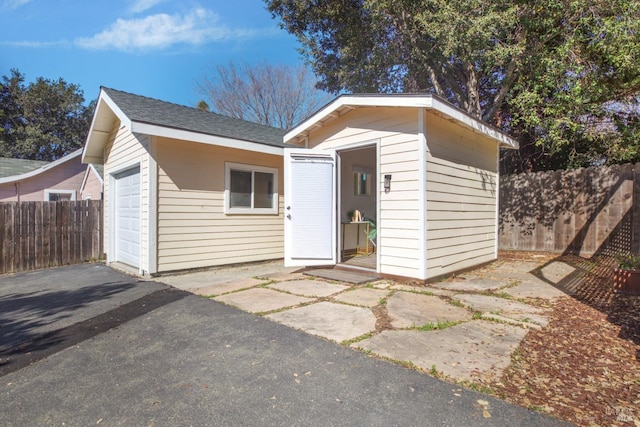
(36,235)
(583,211)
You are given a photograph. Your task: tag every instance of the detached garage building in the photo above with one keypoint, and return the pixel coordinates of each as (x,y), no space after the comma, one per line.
(424,173)
(185,188)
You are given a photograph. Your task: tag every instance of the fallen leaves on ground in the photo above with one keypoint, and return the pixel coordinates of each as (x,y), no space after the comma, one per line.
(584,367)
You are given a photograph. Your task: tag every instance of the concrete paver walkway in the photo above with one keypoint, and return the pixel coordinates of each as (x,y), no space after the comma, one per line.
(85,345)
(465,328)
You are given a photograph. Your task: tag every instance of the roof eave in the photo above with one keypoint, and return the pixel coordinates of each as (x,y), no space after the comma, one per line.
(222,141)
(344,103)
(104,118)
(41,169)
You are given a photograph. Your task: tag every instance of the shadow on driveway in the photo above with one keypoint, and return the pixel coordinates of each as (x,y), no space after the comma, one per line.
(47,311)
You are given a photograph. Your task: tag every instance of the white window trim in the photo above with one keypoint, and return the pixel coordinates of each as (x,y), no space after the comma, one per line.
(228,166)
(48,192)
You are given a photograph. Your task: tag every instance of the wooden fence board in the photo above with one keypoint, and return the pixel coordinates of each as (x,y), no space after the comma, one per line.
(36,235)
(583,211)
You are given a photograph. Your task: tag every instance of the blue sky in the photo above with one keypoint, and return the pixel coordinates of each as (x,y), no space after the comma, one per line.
(156,48)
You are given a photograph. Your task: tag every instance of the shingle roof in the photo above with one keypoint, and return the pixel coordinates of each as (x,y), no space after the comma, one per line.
(153,111)
(10,167)
(99,169)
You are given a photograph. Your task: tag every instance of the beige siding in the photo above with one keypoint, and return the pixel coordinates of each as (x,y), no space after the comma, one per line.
(126,149)
(92,187)
(396,129)
(461,197)
(66,176)
(193,230)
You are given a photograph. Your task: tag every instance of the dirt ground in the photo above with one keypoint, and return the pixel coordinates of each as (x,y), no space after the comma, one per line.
(584,367)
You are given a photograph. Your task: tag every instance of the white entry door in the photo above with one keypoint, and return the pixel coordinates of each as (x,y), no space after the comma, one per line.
(127,217)
(310,207)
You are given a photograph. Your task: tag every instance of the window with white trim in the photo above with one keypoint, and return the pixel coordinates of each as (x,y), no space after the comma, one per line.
(250,189)
(56,195)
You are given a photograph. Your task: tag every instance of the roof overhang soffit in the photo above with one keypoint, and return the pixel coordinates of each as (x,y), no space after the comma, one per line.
(106,115)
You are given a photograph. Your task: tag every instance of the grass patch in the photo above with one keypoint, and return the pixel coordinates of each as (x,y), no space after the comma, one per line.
(503,295)
(436,326)
(357,339)
(480,388)
(457,303)
(417,291)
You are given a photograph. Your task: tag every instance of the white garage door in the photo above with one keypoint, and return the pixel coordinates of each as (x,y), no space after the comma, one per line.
(127,217)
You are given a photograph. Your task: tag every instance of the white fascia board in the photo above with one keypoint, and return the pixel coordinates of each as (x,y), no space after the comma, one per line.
(104,101)
(473,123)
(357,101)
(41,169)
(426,101)
(155,130)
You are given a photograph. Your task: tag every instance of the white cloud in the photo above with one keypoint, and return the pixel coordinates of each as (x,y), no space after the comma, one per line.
(34,44)
(161,31)
(14,4)
(142,5)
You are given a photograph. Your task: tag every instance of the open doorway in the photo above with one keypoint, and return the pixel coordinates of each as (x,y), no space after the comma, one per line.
(358,207)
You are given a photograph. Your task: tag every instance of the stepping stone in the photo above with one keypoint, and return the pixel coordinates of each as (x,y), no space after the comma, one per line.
(365,297)
(423,290)
(556,271)
(231,286)
(336,322)
(343,276)
(503,307)
(535,289)
(309,288)
(260,300)
(473,284)
(468,351)
(408,310)
(282,275)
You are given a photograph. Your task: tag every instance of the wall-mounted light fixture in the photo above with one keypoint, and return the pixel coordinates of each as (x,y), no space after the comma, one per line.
(387,183)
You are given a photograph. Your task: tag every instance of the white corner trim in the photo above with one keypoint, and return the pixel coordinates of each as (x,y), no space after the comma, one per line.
(422,189)
(152,221)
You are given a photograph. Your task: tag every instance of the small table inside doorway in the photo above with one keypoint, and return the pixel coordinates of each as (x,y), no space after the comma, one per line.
(362,231)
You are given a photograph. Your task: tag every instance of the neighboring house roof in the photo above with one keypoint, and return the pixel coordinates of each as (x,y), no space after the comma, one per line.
(99,170)
(9,166)
(37,171)
(346,103)
(154,117)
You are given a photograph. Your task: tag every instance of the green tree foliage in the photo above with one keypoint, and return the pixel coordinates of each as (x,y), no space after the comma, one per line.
(562,76)
(42,120)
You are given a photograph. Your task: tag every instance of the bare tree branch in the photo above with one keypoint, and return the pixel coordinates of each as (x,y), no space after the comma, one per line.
(272,95)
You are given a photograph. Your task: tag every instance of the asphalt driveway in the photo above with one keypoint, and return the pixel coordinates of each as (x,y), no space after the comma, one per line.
(86,345)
